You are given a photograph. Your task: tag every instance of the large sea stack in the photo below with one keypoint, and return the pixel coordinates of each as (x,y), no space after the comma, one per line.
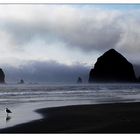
(112,67)
(2,76)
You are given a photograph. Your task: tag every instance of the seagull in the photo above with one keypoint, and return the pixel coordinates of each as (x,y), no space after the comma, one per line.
(8,111)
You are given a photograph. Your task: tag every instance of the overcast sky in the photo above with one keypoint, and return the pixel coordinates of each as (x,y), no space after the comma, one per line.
(51,42)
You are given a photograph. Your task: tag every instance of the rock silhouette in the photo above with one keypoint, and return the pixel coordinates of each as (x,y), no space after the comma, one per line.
(138,79)
(21,81)
(2,76)
(112,67)
(79,80)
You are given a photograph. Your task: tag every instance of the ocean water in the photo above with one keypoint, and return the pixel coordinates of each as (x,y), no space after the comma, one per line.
(24,99)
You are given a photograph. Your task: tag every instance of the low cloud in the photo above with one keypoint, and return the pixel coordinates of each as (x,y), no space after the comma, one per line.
(46,72)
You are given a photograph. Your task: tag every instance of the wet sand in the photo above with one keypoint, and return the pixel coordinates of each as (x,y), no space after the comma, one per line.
(105,118)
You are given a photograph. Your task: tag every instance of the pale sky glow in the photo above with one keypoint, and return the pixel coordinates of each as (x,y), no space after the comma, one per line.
(28,33)
(57,52)
(68,35)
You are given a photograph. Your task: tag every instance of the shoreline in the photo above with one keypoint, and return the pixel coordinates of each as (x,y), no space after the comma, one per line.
(100,118)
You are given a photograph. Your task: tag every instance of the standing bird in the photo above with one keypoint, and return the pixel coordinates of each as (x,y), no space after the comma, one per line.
(8,111)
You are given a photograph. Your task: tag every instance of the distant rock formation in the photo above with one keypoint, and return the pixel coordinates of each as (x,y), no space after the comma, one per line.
(112,67)
(21,81)
(2,76)
(79,80)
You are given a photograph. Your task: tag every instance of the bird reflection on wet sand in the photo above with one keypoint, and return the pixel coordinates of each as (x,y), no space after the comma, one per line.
(8,118)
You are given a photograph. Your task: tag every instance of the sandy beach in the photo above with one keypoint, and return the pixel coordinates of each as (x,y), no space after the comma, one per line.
(105,118)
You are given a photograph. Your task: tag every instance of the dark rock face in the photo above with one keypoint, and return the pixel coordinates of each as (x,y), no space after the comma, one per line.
(112,67)
(138,79)
(2,76)
(79,80)
(21,81)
